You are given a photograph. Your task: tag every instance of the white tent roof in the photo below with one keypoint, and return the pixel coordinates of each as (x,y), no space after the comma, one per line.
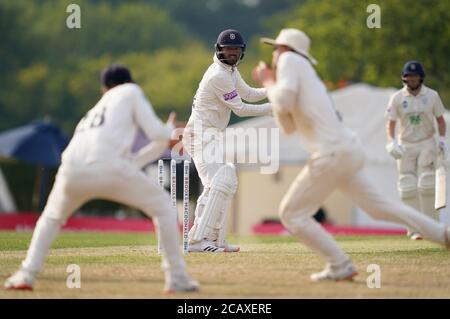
(362,107)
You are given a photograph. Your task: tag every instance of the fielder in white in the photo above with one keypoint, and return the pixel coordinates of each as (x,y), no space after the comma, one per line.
(98,164)
(416,147)
(221,91)
(301,105)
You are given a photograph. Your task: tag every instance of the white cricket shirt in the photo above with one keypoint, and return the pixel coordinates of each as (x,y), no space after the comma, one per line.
(416,114)
(108,130)
(299,90)
(221,91)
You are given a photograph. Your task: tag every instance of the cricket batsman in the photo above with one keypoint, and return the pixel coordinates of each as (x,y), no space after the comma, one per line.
(98,164)
(418,145)
(221,91)
(302,106)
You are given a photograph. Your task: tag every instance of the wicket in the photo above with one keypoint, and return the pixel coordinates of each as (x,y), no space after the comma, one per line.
(173,196)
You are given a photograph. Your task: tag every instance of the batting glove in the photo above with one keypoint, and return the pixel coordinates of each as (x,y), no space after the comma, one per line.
(394,149)
(443,147)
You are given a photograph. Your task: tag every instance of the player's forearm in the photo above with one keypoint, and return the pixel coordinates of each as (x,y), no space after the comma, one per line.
(442,127)
(253,94)
(149,122)
(391,130)
(153,127)
(253,109)
(248,93)
(150,153)
(157,132)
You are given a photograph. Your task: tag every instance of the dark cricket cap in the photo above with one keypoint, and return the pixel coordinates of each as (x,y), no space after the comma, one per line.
(115,74)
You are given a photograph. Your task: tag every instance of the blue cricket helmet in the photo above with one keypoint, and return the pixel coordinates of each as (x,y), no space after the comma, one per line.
(413,67)
(229,38)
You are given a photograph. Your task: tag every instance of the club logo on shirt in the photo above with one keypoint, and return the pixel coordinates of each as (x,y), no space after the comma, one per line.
(414,119)
(405,104)
(230,96)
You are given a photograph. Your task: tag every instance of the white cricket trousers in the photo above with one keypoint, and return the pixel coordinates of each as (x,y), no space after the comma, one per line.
(115,180)
(209,157)
(342,168)
(416,176)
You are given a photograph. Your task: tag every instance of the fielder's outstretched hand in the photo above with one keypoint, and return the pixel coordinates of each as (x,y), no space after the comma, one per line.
(263,74)
(172,119)
(176,134)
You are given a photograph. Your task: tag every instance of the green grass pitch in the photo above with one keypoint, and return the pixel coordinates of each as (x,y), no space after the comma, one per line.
(125,265)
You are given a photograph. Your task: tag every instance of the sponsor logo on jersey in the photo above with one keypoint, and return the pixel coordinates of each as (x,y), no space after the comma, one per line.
(405,104)
(230,96)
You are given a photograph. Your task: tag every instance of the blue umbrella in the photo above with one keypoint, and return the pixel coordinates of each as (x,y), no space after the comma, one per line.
(40,142)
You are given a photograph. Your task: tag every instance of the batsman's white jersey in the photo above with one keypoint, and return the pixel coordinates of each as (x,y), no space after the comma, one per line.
(221,91)
(337,162)
(97,165)
(415,114)
(417,135)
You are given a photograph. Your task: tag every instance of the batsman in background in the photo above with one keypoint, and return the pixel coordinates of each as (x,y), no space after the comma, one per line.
(98,164)
(302,105)
(221,91)
(416,148)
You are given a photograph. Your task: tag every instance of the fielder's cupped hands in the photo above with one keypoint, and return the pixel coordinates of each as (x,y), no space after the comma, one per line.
(172,119)
(263,74)
(172,124)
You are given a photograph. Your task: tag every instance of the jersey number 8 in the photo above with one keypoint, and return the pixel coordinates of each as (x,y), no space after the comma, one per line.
(88,121)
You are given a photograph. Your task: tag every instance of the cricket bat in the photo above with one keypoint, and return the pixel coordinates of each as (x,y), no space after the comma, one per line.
(440,200)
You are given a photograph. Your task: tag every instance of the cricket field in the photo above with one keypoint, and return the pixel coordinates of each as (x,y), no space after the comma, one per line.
(125,265)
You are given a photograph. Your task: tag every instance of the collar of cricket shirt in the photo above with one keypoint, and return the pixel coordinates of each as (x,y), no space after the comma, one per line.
(223,65)
(423,91)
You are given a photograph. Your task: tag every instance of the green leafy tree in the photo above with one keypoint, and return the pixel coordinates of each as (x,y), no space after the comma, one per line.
(347,49)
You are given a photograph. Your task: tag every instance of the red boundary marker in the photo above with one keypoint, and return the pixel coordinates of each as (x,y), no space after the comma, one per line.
(26,222)
(275,228)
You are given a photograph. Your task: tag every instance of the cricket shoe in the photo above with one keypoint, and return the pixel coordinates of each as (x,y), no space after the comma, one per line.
(205,246)
(345,271)
(21,280)
(415,236)
(228,248)
(180,283)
